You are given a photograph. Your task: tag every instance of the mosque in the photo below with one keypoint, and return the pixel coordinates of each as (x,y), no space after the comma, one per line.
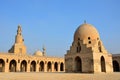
(87,54)
(16,60)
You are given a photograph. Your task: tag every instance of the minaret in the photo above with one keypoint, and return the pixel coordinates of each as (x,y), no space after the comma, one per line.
(44,51)
(18,47)
(19,38)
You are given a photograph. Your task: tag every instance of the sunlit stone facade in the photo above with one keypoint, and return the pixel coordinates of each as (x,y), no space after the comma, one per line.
(88,54)
(17,59)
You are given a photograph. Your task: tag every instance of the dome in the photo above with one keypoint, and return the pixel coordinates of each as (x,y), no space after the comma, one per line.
(86,31)
(38,53)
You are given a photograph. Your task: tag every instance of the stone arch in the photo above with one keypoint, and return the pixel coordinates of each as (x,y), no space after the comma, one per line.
(103,67)
(23,66)
(2,65)
(62,67)
(116,66)
(56,66)
(49,66)
(33,66)
(12,66)
(41,66)
(78,64)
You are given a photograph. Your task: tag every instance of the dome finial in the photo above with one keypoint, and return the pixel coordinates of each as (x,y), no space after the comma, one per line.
(84,21)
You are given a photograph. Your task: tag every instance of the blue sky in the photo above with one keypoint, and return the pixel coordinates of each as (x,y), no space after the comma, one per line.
(53,22)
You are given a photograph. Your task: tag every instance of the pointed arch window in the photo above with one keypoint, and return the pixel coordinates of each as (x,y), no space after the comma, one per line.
(78,47)
(99,46)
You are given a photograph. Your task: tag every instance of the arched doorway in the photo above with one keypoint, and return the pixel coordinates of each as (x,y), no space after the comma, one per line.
(116,66)
(33,66)
(12,66)
(61,67)
(2,65)
(41,66)
(103,68)
(78,64)
(23,66)
(49,67)
(56,66)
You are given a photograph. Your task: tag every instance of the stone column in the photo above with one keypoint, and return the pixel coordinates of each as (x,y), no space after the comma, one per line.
(6,67)
(52,66)
(28,66)
(63,67)
(59,67)
(18,67)
(37,67)
(45,67)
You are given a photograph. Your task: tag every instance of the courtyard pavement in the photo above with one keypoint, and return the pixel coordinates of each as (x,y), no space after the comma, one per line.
(58,76)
